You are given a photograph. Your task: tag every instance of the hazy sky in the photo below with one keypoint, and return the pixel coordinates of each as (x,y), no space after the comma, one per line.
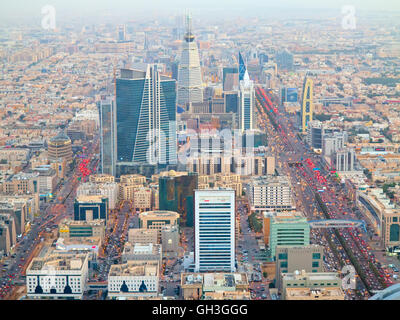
(29,9)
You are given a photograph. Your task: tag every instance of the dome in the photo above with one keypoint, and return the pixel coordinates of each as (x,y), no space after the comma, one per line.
(60,137)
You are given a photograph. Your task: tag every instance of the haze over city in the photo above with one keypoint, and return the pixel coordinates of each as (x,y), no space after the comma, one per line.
(200,150)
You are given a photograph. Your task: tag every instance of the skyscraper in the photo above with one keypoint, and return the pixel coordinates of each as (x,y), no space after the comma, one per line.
(214,230)
(246,103)
(284,60)
(108,142)
(146,117)
(190,88)
(307,105)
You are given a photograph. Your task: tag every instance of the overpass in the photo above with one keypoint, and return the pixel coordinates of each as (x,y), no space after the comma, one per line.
(336,223)
(390,293)
(97,285)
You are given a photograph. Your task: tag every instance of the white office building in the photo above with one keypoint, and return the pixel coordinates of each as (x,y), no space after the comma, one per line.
(58,275)
(246,104)
(214,230)
(270,193)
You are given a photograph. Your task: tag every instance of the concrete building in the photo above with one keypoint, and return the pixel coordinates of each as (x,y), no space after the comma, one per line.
(107,190)
(344,160)
(158,219)
(170,240)
(60,147)
(207,286)
(133,279)
(143,235)
(289,259)
(270,193)
(314,294)
(101,178)
(302,279)
(214,230)
(57,276)
(141,252)
(81,229)
(91,208)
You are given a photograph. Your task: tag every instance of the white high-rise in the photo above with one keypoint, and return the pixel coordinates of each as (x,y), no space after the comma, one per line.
(190,87)
(214,230)
(246,104)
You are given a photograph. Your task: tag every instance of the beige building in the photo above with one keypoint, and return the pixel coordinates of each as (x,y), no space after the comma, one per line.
(81,229)
(158,219)
(143,235)
(142,199)
(314,294)
(210,286)
(101,178)
(133,179)
(303,279)
(289,259)
(141,252)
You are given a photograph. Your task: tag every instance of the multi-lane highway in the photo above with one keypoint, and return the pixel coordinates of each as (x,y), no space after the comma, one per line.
(349,246)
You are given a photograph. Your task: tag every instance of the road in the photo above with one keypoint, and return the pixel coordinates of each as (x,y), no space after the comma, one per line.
(290,149)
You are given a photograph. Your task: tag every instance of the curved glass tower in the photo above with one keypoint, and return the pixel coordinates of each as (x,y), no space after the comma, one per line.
(190,89)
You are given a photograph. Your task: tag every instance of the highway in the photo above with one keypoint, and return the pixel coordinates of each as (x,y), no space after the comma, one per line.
(350,245)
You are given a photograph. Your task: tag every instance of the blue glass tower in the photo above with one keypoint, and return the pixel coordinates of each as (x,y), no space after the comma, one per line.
(146,117)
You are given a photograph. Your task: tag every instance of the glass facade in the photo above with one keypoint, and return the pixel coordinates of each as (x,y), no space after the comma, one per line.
(108,136)
(146,118)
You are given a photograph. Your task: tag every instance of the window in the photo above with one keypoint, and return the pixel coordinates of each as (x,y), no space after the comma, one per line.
(282,256)
(315,264)
(284,264)
(316,255)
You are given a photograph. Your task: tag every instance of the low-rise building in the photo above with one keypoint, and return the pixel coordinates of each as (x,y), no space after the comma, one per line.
(57,276)
(133,279)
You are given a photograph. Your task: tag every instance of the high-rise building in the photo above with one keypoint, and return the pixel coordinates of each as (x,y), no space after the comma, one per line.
(176,193)
(121,32)
(108,139)
(246,104)
(214,230)
(190,87)
(231,101)
(284,60)
(146,117)
(60,147)
(307,105)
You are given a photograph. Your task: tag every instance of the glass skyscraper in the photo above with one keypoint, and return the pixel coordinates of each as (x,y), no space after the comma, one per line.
(146,117)
(108,143)
(246,104)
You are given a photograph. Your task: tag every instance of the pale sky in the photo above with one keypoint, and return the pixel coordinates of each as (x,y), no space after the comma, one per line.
(92,9)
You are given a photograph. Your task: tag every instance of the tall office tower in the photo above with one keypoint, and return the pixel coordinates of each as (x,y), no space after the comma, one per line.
(108,141)
(146,117)
(190,87)
(214,230)
(307,105)
(121,29)
(242,67)
(246,103)
(284,60)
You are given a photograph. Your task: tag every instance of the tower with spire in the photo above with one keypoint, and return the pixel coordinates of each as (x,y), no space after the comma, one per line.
(190,86)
